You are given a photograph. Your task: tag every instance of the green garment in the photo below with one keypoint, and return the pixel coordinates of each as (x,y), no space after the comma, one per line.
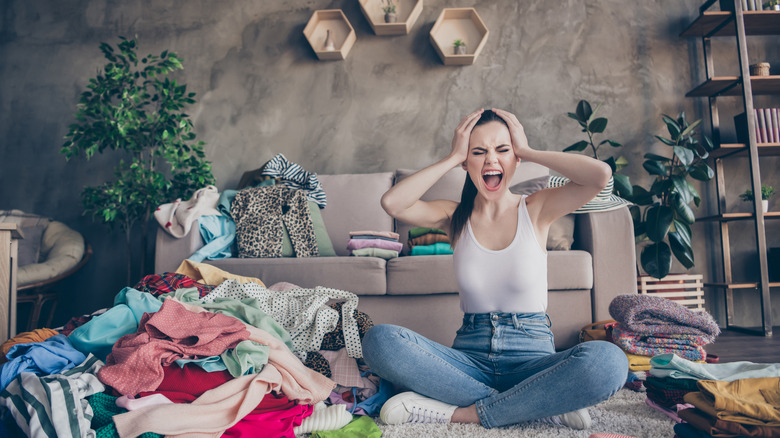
(361,427)
(104,407)
(435,249)
(247,357)
(386,254)
(419,231)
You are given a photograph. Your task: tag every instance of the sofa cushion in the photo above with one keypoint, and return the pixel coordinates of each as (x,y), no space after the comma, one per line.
(360,275)
(412,275)
(324,245)
(353,205)
(451,184)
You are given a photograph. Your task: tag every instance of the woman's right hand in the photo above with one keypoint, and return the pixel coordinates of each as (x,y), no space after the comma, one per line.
(460,140)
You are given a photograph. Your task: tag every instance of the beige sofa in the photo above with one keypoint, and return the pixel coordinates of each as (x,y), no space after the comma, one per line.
(419,292)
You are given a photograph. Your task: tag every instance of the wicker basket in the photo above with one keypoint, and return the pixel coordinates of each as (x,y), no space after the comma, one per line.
(682,288)
(760,69)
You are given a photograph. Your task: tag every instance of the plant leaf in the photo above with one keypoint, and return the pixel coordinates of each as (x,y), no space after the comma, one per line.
(654,168)
(681,186)
(598,125)
(682,251)
(584,111)
(684,155)
(640,196)
(659,220)
(655,157)
(683,210)
(656,259)
(701,171)
(623,186)
(579,146)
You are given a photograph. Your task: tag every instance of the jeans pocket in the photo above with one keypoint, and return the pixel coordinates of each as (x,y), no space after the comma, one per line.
(536,331)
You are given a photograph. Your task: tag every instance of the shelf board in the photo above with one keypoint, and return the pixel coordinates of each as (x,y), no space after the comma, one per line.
(732,86)
(741,149)
(463,24)
(407,11)
(729,217)
(716,23)
(342,34)
(739,285)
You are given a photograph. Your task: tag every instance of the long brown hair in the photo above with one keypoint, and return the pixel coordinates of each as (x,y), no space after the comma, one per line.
(463,211)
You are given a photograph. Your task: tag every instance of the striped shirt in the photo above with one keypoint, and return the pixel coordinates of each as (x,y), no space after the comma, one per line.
(54,406)
(293,176)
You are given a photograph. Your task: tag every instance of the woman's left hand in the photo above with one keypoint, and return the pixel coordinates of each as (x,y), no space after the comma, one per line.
(516,131)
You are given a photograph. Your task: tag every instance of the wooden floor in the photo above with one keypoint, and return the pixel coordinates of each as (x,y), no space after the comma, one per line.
(732,346)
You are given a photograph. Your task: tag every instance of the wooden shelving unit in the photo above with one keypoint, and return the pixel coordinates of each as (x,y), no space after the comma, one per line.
(463,24)
(738,24)
(407,11)
(342,33)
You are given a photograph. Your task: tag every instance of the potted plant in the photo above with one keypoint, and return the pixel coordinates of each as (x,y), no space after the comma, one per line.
(459,47)
(390,12)
(766,193)
(585,115)
(663,215)
(132,108)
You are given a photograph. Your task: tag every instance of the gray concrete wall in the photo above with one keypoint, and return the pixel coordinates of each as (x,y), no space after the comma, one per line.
(390,104)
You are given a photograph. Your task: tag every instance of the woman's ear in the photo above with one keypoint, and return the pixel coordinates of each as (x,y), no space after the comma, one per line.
(463,166)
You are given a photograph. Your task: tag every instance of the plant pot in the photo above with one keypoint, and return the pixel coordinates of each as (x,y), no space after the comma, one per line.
(391,17)
(765,205)
(460,50)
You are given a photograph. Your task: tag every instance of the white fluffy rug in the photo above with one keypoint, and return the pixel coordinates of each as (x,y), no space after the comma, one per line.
(626,414)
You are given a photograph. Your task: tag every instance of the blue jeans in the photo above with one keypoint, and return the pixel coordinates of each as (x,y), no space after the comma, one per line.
(504,363)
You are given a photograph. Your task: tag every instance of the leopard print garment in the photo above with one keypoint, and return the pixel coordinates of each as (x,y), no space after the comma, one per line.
(260,212)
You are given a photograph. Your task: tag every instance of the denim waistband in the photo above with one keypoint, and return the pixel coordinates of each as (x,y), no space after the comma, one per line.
(508,318)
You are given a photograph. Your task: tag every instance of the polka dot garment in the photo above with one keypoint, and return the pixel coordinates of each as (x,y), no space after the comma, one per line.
(302,312)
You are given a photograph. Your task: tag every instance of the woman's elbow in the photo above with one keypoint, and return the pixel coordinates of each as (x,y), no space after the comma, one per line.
(388,205)
(602,176)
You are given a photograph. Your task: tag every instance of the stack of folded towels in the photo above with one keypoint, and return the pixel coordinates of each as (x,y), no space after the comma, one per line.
(382,244)
(648,325)
(429,241)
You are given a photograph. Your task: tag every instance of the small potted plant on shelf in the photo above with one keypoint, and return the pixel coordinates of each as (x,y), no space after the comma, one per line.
(766,193)
(390,12)
(459,47)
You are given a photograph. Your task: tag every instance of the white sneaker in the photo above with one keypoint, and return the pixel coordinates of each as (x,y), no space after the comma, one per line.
(410,407)
(579,419)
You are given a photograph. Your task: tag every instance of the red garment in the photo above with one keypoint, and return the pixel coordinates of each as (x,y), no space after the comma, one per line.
(275,416)
(183,385)
(136,361)
(169,282)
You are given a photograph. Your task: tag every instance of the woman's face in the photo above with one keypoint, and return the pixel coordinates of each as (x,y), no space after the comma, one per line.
(491,161)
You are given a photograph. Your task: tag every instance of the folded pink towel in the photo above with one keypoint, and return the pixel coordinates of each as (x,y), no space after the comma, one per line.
(374,243)
(388,234)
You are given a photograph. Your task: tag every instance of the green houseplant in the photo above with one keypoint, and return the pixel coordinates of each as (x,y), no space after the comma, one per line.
(390,12)
(766,193)
(591,125)
(131,108)
(459,47)
(663,215)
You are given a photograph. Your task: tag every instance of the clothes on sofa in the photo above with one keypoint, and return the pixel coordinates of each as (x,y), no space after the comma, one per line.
(386,254)
(294,176)
(382,244)
(434,249)
(54,405)
(260,214)
(428,241)
(177,217)
(218,233)
(420,231)
(353,244)
(387,235)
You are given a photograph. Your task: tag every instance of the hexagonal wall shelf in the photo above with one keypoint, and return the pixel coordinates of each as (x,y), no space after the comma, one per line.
(341,32)
(407,12)
(458,24)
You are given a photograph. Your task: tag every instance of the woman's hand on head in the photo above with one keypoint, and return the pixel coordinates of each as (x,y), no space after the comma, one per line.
(517,132)
(460,140)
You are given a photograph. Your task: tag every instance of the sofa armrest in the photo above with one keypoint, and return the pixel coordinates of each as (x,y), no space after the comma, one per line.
(170,251)
(609,237)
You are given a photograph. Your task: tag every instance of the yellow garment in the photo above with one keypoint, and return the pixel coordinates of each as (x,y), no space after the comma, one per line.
(637,362)
(37,335)
(211,275)
(745,401)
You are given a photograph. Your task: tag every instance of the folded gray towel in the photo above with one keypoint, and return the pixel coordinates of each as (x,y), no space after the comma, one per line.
(648,314)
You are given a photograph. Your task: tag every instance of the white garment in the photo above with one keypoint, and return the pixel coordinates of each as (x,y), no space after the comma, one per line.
(177,217)
(302,312)
(513,279)
(55,405)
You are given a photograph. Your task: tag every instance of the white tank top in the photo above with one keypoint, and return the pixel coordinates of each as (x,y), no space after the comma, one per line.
(513,279)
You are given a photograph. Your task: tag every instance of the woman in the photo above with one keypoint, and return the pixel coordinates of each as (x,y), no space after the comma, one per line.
(502,368)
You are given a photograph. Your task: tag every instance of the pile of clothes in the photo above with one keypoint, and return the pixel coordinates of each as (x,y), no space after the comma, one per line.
(198,351)
(732,399)
(649,325)
(383,244)
(428,241)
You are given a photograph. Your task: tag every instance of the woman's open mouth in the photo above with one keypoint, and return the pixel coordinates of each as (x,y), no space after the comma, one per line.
(492,179)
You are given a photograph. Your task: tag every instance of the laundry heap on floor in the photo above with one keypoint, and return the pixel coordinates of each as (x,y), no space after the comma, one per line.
(197,351)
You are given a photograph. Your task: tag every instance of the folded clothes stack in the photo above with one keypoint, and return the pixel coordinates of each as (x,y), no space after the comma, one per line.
(382,244)
(648,325)
(428,241)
